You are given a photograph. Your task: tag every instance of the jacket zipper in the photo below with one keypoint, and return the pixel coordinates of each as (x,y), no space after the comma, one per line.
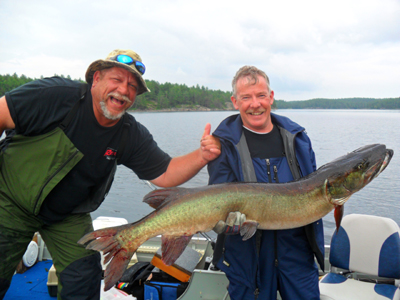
(276,174)
(275,233)
(276,248)
(256,293)
(276,179)
(258,246)
(52,176)
(269,170)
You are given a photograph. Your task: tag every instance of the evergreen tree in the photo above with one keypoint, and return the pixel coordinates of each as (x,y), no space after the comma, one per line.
(175,96)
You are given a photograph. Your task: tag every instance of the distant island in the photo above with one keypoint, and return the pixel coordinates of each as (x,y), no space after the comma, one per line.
(179,97)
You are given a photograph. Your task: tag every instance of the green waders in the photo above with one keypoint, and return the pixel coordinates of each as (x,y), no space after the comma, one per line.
(30,167)
(79,270)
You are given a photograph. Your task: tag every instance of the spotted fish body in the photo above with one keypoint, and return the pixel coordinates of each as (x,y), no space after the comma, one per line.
(181,212)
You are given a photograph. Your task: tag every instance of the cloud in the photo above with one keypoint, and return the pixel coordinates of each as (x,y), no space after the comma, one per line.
(308,48)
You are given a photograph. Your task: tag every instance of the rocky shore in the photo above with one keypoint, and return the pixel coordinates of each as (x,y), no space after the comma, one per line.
(183,108)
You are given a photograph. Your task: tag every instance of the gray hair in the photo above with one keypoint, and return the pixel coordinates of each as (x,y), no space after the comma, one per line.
(252,74)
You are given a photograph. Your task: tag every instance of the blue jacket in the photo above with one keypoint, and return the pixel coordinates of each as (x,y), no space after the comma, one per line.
(228,168)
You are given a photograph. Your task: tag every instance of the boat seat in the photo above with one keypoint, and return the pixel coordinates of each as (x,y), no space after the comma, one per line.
(370,247)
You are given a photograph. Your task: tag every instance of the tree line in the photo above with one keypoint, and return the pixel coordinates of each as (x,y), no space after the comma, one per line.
(9,82)
(174,96)
(162,96)
(167,95)
(344,103)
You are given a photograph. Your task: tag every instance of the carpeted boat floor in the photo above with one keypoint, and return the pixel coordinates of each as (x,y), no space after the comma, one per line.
(32,284)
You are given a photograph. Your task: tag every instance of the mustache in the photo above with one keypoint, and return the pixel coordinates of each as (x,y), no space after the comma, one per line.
(252,111)
(119,96)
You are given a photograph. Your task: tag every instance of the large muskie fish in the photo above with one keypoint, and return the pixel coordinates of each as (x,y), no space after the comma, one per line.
(181,212)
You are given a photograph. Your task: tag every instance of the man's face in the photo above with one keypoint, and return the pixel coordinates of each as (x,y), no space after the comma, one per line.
(254,104)
(114,91)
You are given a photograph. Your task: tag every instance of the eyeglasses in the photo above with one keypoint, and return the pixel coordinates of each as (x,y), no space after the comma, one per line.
(127,60)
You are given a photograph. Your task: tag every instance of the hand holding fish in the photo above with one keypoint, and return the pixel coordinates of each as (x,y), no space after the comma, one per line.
(210,145)
(233,223)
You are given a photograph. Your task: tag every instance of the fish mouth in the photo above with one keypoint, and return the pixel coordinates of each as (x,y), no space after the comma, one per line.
(340,201)
(380,166)
(388,157)
(354,171)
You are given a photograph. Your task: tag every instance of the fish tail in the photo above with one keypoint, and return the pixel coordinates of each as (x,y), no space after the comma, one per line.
(101,233)
(116,268)
(118,256)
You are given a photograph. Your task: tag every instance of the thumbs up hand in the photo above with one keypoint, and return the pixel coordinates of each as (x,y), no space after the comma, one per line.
(209,144)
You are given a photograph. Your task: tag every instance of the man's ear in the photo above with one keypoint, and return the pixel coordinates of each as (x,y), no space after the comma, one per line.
(234,102)
(271,95)
(96,78)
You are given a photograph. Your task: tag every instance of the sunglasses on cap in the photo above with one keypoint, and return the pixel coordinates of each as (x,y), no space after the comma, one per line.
(127,60)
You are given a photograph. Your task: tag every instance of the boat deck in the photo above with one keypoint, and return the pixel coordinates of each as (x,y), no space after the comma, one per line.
(32,284)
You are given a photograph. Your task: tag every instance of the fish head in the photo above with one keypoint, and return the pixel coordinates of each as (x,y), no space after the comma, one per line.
(350,173)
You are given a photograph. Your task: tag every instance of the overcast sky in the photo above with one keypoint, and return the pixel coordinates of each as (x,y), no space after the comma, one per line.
(309,49)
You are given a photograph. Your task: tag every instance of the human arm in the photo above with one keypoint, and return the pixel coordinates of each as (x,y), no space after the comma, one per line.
(183,168)
(6,122)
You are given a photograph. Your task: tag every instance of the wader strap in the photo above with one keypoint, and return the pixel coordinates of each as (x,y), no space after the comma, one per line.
(249,175)
(288,143)
(218,249)
(64,124)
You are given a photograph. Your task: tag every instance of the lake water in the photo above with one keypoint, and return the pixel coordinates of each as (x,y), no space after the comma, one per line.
(333,133)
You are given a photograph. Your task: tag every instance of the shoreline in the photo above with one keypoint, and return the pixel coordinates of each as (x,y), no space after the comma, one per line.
(206,109)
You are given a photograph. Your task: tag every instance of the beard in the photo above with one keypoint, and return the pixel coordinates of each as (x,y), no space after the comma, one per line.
(107,113)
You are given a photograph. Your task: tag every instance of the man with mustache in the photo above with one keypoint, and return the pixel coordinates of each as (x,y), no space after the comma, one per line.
(57,163)
(260,146)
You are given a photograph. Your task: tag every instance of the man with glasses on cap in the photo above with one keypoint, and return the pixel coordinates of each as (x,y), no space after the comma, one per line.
(63,142)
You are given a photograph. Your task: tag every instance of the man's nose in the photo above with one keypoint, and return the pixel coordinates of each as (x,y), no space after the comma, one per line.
(123,88)
(255,102)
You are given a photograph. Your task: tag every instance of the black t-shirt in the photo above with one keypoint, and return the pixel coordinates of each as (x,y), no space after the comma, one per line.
(40,106)
(265,145)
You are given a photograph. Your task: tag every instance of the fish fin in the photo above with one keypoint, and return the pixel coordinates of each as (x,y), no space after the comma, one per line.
(339,210)
(248,229)
(116,268)
(172,247)
(106,235)
(104,240)
(158,197)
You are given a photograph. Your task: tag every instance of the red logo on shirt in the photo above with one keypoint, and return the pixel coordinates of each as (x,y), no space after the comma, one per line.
(110,154)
